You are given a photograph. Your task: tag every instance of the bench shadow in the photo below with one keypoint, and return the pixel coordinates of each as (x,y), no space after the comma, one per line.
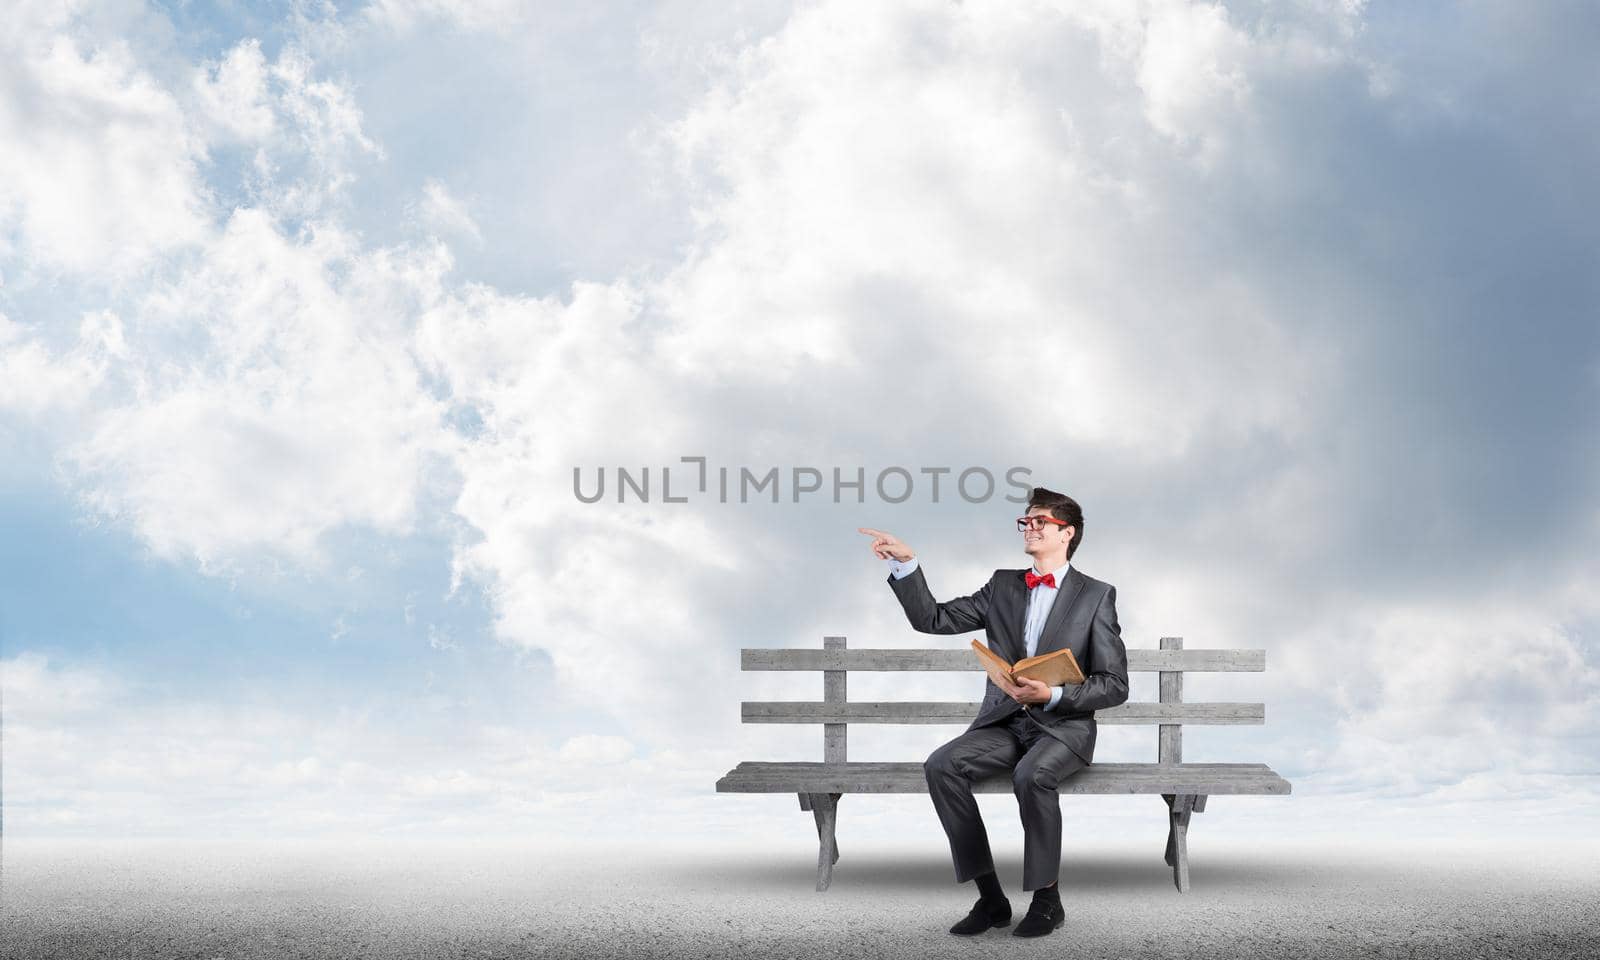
(916,873)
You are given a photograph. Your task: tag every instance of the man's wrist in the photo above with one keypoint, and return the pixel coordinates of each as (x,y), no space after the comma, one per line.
(900,569)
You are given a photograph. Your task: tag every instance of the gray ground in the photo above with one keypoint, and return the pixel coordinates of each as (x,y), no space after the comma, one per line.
(142,901)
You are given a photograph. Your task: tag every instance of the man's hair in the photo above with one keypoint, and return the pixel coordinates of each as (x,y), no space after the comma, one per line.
(1063,508)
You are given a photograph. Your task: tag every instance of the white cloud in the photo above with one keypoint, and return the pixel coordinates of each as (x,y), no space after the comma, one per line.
(595,749)
(234,93)
(1191,67)
(100,170)
(1439,695)
(37,383)
(977,182)
(297,411)
(37,692)
(105,170)
(326,132)
(445,213)
(407,15)
(255,391)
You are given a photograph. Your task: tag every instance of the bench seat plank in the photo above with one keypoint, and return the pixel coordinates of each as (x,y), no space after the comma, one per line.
(1098,778)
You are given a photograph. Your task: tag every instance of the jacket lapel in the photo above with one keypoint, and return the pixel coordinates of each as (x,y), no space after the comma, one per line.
(1018,621)
(1052,635)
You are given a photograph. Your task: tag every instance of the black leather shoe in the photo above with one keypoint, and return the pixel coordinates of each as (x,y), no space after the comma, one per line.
(1043,917)
(983,916)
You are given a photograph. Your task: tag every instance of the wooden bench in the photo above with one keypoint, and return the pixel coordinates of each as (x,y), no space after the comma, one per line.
(1184,786)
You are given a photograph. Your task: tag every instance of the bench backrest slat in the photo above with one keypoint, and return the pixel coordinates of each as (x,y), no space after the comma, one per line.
(1143,660)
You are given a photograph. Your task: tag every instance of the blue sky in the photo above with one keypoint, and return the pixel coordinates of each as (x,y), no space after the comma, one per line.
(308,312)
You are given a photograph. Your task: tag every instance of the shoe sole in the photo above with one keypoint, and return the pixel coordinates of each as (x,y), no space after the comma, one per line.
(1042,933)
(993,925)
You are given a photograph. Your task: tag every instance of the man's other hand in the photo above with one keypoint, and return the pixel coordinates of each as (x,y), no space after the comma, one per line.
(1027,690)
(886,545)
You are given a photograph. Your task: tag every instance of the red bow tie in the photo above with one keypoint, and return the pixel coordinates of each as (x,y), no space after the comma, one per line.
(1033,580)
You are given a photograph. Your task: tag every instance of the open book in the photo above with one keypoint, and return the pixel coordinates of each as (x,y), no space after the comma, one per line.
(1054,668)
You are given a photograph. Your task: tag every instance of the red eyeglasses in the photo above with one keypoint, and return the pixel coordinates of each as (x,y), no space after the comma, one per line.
(1037,521)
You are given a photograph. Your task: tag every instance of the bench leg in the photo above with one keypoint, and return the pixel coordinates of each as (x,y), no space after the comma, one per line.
(825,807)
(805,804)
(1179,807)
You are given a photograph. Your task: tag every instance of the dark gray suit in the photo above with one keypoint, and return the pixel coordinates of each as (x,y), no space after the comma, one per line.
(1041,747)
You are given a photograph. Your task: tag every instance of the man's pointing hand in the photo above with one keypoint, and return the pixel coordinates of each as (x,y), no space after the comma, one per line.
(886,545)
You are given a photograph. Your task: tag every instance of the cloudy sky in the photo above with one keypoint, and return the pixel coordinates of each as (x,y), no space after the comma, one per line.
(309,312)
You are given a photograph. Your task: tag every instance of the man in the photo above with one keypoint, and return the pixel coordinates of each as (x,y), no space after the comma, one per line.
(1042,734)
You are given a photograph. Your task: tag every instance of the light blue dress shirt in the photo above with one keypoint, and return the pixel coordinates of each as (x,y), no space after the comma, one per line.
(1040,599)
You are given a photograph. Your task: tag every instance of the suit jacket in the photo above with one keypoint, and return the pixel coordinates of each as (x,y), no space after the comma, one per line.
(1083,619)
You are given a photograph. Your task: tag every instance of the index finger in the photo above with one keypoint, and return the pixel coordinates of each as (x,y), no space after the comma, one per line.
(871,532)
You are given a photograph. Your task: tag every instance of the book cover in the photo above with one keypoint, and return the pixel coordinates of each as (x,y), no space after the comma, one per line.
(1054,668)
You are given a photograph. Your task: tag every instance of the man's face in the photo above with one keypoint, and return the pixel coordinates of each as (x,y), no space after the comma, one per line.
(1045,538)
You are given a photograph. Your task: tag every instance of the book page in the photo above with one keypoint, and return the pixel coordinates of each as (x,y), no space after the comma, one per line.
(1054,668)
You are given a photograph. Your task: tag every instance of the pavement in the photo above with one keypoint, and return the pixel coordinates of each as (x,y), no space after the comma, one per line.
(475,899)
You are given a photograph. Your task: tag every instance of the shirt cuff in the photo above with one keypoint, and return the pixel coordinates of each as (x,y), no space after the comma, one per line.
(1055,698)
(902,568)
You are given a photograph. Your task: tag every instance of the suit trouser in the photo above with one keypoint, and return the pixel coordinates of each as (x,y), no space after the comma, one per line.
(1038,763)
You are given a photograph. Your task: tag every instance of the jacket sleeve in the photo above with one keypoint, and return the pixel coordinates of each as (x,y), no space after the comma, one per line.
(1107,682)
(929,616)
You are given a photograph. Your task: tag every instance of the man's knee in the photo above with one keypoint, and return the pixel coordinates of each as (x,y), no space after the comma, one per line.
(1030,776)
(939,763)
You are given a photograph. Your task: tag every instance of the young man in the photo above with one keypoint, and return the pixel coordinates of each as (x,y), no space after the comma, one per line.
(1041,734)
